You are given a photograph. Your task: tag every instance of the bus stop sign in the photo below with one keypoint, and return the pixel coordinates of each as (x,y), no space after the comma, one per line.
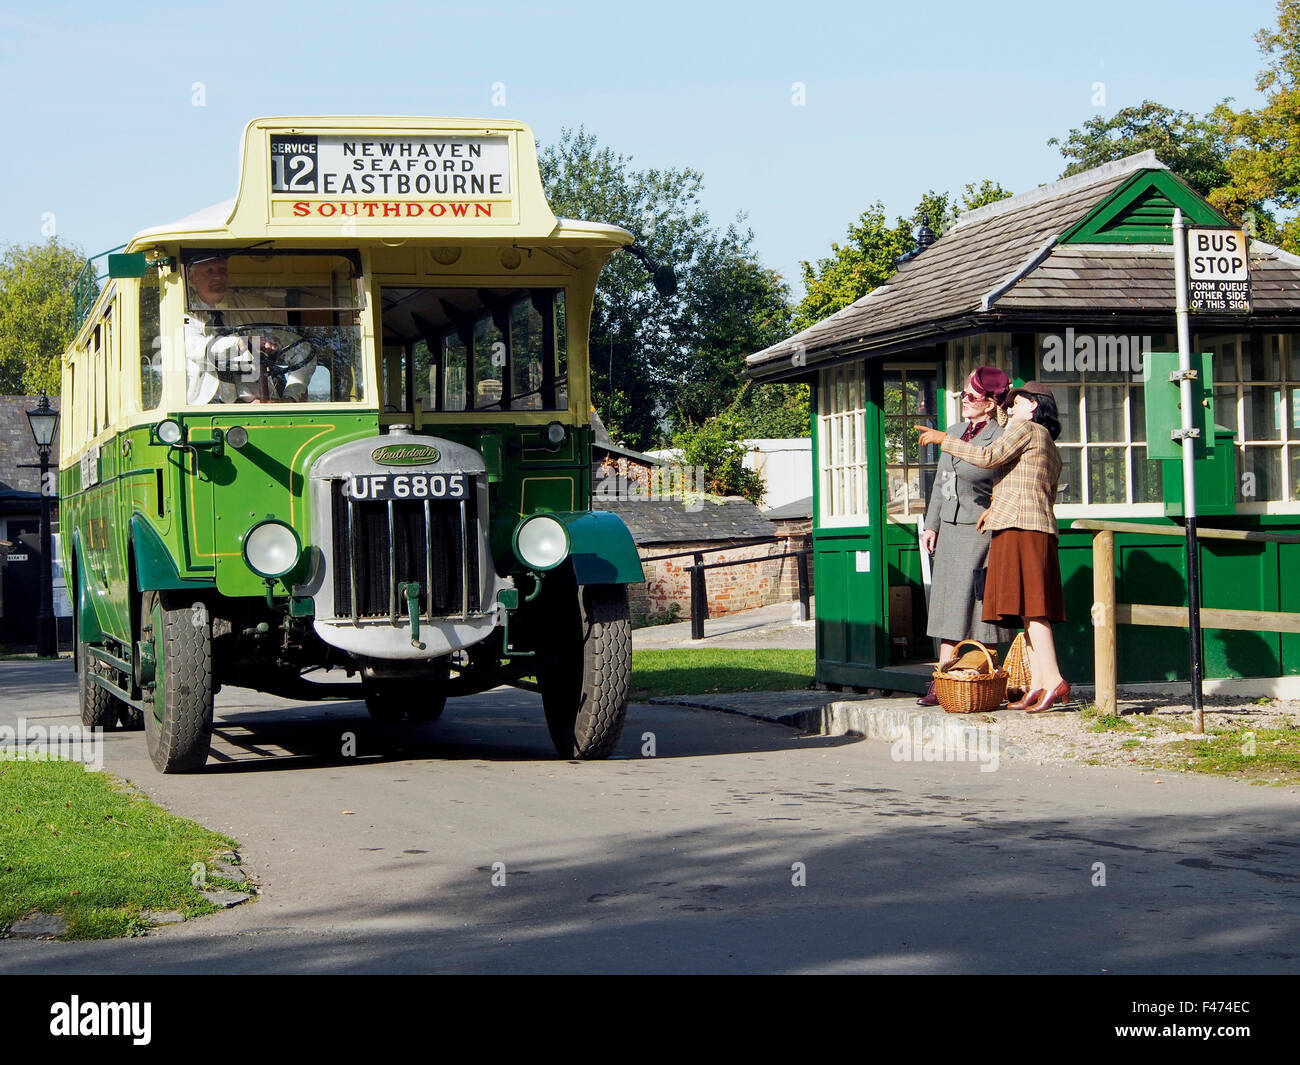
(1218,271)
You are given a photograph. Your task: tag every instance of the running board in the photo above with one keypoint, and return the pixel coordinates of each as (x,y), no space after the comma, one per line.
(110,659)
(103,682)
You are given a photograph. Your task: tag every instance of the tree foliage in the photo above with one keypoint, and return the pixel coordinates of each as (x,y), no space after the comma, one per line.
(715,447)
(864,262)
(771,411)
(1193,148)
(658,361)
(867,259)
(36,323)
(1263,166)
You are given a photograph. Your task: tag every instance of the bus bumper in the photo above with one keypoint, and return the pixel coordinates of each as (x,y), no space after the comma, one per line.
(382,639)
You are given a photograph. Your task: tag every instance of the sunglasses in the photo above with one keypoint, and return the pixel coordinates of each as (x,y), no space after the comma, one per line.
(973,397)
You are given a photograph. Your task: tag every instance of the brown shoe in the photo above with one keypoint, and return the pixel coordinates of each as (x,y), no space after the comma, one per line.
(929,698)
(1026,701)
(1059,694)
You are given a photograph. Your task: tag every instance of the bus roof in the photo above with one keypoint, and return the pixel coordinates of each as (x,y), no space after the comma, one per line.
(431,179)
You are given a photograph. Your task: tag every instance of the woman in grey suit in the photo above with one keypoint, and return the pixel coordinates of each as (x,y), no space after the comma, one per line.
(961,493)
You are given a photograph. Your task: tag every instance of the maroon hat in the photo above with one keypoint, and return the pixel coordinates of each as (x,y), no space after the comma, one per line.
(992,382)
(1031,389)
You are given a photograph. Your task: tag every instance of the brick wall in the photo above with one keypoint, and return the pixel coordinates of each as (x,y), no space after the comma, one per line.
(730,589)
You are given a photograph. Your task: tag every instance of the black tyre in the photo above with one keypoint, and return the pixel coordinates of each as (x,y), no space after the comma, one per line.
(131,719)
(100,708)
(415,699)
(588,673)
(178,718)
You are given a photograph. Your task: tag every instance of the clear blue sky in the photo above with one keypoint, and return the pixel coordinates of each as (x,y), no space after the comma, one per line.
(100,128)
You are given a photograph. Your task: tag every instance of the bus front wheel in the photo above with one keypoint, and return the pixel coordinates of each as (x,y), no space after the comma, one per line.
(588,677)
(176,644)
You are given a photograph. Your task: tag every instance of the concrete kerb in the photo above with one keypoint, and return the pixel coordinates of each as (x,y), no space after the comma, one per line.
(829,714)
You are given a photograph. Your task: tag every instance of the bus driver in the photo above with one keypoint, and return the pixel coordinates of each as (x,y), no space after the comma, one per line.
(226,367)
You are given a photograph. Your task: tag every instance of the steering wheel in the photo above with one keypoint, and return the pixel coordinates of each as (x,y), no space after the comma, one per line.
(278,363)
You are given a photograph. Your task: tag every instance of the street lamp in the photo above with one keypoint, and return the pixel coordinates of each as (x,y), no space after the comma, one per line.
(44,420)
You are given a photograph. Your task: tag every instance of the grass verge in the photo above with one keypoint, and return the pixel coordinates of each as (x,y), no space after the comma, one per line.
(1258,756)
(1233,749)
(73,843)
(694,671)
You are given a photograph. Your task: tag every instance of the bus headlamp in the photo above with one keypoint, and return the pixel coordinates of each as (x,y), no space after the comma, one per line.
(169,432)
(555,434)
(541,542)
(236,436)
(271,548)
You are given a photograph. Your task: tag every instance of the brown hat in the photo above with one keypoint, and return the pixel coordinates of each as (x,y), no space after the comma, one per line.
(1031,389)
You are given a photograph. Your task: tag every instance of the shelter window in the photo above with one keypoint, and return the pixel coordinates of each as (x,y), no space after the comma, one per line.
(1097,382)
(910,399)
(1257,395)
(842,452)
(480,349)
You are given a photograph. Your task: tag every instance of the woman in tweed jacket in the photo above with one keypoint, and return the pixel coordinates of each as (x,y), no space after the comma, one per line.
(1024,573)
(961,493)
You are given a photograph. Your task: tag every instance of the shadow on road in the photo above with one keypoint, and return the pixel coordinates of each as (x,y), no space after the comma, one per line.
(499,726)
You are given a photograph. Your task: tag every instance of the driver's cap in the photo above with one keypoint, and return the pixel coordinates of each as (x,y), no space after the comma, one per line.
(207,255)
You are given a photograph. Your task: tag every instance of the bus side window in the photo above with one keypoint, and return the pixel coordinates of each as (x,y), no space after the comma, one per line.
(425,376)
(104,367)
(150,344)
(489,363)
(453,367)
(561,334)
(528,364)
(94,377)
(394,385)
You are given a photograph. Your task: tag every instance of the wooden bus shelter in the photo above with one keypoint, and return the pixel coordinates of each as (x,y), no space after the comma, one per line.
(1071,284)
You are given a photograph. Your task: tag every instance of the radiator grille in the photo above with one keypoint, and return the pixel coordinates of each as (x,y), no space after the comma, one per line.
(378,546)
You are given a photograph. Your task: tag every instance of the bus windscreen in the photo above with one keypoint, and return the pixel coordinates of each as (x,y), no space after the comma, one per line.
(272,327)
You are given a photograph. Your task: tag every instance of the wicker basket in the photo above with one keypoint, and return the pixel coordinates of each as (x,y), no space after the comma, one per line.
(1017,667)
(971,695)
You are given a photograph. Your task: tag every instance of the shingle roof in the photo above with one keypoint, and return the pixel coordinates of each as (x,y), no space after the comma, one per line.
(674,522)
(1140,278)
(17,445)
(964,272)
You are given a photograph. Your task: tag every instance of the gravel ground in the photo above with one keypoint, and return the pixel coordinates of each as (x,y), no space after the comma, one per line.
(1159,730)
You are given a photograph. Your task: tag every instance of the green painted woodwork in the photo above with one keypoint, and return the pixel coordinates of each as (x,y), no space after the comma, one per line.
(601,548)
(1164,408)
(155,566)
(1141,211)
(135,264)
(88,627)
(1152,569)
(1215,477)
(850,621)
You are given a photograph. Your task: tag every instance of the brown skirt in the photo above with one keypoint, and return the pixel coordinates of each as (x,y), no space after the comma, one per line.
(1024,578)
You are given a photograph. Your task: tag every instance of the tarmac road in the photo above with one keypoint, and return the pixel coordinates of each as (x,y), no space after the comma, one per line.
(686,861)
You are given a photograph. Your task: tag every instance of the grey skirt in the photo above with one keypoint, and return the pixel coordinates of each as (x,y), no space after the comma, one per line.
(955,613)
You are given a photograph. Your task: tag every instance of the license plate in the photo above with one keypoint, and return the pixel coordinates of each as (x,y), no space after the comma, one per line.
(407,486)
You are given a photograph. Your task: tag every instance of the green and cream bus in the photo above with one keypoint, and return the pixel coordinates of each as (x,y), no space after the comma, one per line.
(342,421)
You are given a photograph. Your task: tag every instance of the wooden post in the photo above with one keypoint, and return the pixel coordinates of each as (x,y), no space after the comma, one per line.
(1103,621)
